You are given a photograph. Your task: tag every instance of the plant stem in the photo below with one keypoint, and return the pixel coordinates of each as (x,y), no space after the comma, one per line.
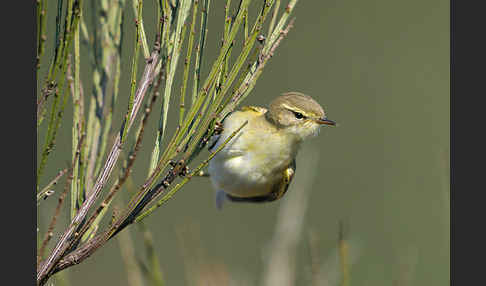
(52,224)
(41,27)
(134,71)
(185,5)
(200,49)
(45,270)
(187,178)
(76,134)
(56,116)
(43,193)
(274,17)
(187,61)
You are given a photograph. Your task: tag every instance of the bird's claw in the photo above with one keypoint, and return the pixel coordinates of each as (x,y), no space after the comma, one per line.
(218,128)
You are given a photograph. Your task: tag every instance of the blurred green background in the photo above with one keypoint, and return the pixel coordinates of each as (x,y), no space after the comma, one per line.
(381,70)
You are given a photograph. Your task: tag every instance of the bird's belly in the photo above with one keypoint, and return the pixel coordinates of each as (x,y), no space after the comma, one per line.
(246,175)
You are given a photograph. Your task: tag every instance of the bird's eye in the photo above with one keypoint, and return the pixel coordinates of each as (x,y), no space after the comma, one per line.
(298,115)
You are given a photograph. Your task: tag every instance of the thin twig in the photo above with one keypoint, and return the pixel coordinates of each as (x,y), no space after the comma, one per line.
(195,146)
(274,17)
(55,116)
(200,49)
(76,129)
(52,224)
(43,193)
(45,93)
(41,27)
(252,76)
(107,73)
(133,79)
(187,61)
(188,177)
(63,244)
(93,244)
(174,57)
(165,36)
(131,160)
(84,251)
(191,131)
(140,26)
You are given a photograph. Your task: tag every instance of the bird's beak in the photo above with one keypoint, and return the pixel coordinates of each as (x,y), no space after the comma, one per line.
(325,121)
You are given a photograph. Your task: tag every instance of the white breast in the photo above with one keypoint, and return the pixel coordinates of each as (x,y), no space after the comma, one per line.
(248,167)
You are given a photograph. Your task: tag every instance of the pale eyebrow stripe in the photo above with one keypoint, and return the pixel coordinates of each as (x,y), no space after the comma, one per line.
(293,108)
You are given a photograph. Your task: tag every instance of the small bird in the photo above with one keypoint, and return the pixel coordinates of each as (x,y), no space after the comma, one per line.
(258,164)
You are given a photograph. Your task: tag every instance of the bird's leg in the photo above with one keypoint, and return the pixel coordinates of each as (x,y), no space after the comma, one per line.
(184,171)
(181,169)
(218,128)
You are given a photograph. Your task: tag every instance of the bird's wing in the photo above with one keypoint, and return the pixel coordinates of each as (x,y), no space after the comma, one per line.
(257,109)
(278,190)
(281,187)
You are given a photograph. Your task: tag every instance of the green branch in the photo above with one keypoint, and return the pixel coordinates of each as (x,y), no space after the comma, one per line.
(171,193)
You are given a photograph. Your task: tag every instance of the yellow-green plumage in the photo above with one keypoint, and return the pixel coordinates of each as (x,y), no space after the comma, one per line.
(259,163)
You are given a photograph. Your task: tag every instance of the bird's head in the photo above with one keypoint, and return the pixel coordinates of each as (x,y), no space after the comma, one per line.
(298,114)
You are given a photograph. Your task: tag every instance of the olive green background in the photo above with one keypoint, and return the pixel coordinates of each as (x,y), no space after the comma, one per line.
(381,70)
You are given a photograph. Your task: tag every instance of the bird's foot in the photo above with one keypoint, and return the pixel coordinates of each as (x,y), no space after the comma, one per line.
(218,128)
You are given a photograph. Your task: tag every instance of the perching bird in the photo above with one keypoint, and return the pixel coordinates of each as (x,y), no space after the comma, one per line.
(258,164)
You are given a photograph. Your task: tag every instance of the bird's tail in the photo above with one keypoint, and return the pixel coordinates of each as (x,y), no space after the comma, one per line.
(220,198)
